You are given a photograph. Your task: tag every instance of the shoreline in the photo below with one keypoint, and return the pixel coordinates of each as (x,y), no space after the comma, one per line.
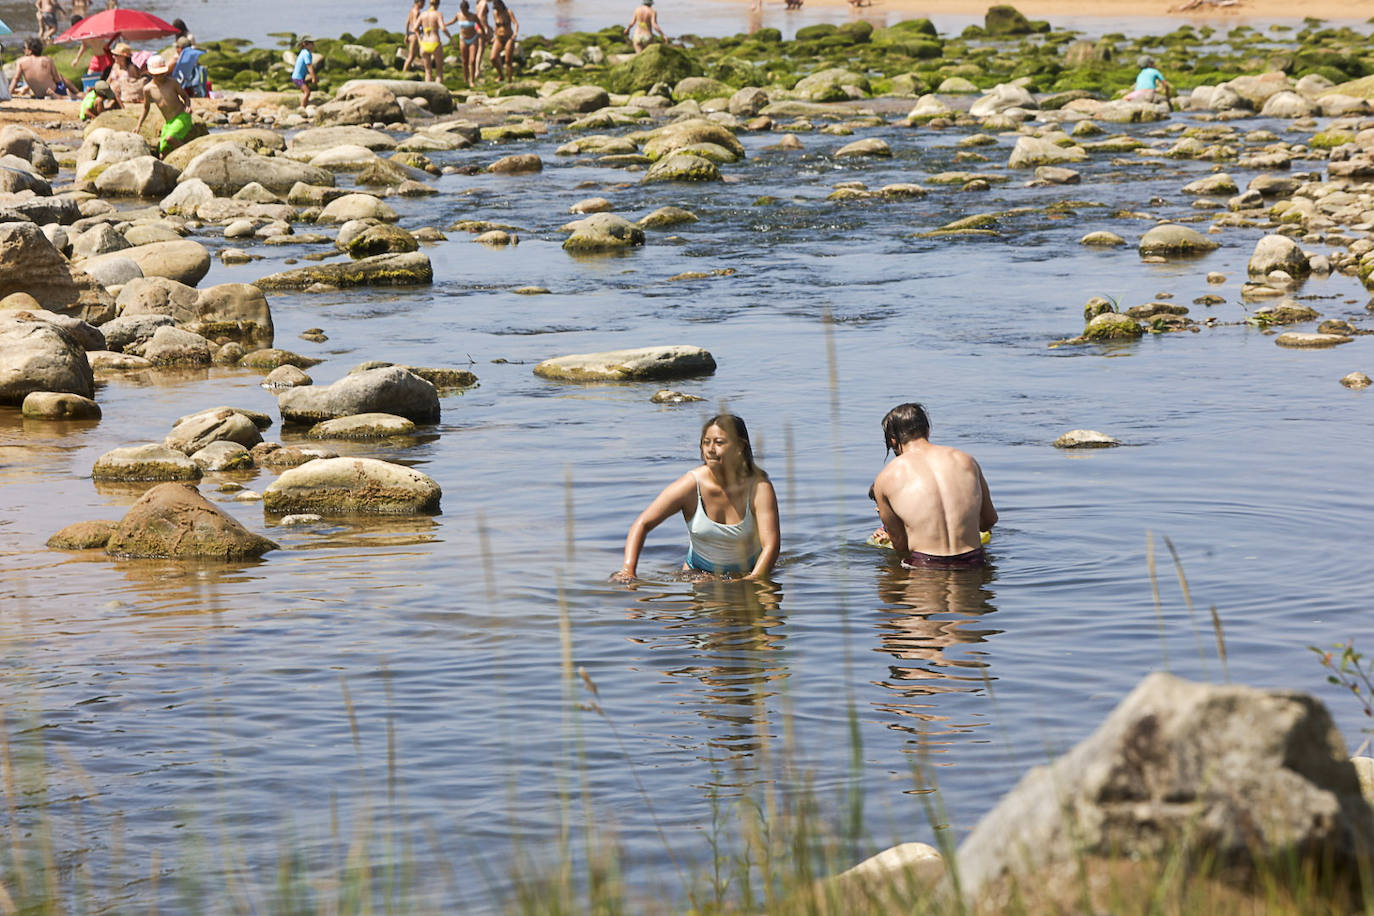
(1334,11)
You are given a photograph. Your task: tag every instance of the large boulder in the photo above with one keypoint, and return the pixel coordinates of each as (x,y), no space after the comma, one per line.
(364,105)
(127,332)
(658,63)
(409,269)
(228,167)
(437,97)
(681,166)
(173,520)
(1286,104)
(830,85)
(30,264)
(352,486)
(253,139)
(578,99)
(666,140)
(186,197)
(1000,98)
(602,232)
(382,238)
(319,139)
(185,260)
(1278,252)
(18,175)
(237,311)
(18,140)
(643,363)
(53,405)
(1219,777)
(389,389)
(146,176)
(195,432)
(1004,19)
(1172,240)
(37,355)
(1030,152)
(144,462)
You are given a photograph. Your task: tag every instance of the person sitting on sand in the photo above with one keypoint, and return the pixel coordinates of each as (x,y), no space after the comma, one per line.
(99,100)
(303,72)
(504,30)
(727,486)
(642,26)
(1150,84)
(125,77)
(172,101)
(413,34)
(932,499)
(38,73)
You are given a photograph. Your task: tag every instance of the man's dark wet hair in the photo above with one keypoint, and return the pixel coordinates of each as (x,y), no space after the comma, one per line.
(904,423)
(33,45)
(731,423)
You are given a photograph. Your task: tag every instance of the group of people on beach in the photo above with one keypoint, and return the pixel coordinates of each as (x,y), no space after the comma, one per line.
(933,501)
(491,25)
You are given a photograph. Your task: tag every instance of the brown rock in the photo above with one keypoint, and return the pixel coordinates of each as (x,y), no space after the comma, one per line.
(174,520)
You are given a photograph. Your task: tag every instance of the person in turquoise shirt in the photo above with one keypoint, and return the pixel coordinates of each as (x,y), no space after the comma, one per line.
(1150,84)
(303,74)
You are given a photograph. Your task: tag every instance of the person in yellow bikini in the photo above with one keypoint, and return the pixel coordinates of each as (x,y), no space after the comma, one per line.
(431,25)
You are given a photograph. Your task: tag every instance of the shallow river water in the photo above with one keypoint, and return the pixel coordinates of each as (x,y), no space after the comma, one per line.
(405,679)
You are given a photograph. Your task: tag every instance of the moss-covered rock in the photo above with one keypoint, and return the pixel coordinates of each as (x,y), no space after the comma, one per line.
(658,63)
(409,269)
(1112,326)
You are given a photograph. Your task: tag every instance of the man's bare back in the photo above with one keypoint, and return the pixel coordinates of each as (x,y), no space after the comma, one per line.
(167,96)
(932,499)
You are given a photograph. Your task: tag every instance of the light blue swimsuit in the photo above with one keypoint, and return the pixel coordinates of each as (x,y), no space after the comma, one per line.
(726,550)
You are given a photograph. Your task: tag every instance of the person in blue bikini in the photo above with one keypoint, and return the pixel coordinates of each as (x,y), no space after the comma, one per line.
(728,503)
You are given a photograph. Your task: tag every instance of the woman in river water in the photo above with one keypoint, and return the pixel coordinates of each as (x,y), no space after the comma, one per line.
(728,503)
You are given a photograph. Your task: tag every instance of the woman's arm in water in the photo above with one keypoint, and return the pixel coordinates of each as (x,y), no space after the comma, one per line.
(987,515)
(678,496)
(770,531)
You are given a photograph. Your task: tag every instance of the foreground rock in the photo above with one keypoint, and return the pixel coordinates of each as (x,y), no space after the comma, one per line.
(389,390)
(36,355)
(408,269)
(50,405)
(352,486)
(1231,777)
(634,365)
(30,264)
(173,520)
(1173,240)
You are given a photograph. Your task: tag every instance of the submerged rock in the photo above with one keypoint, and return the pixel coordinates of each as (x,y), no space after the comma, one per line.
(172,520)
(639,364)
(1301,341)
(603,232)
(50,405)
(352,486)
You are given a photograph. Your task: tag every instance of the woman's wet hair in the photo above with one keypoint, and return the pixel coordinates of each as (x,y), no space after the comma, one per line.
(728,422)
(904,423)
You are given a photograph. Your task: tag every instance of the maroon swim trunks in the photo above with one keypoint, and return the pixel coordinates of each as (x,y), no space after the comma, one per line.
(975,557)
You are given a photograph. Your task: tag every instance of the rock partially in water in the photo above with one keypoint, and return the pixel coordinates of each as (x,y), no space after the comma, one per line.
(145,177)
(172,520)
(669,396)
(409,269)
(1218,184)
(83,536)
(381,239)
(1085,438)
(1300,341)
(1102,239)
(682,166)
(223,456)
(29,263)
(1355,381)
(356,206)
(144,462)
(363,426)
(1112,326)
(286,377)
(275,357)
(1173,240)
(1030,152)
(172,346)
(389,389)
(226,424)
(592,205)
(870,146)
(36,355)
(1196,775)
(227,167)
(52,405)
(602,232)
(517,164)
(1278,252)
(644,363)
(352,486)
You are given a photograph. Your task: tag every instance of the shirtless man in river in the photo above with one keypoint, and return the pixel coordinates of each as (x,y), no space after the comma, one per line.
(932,499)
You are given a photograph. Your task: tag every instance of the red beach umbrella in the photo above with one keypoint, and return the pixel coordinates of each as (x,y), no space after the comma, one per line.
(131,25)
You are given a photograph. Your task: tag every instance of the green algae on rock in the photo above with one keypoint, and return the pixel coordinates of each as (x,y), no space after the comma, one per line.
(408,269)
(172,520)
(640,364)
